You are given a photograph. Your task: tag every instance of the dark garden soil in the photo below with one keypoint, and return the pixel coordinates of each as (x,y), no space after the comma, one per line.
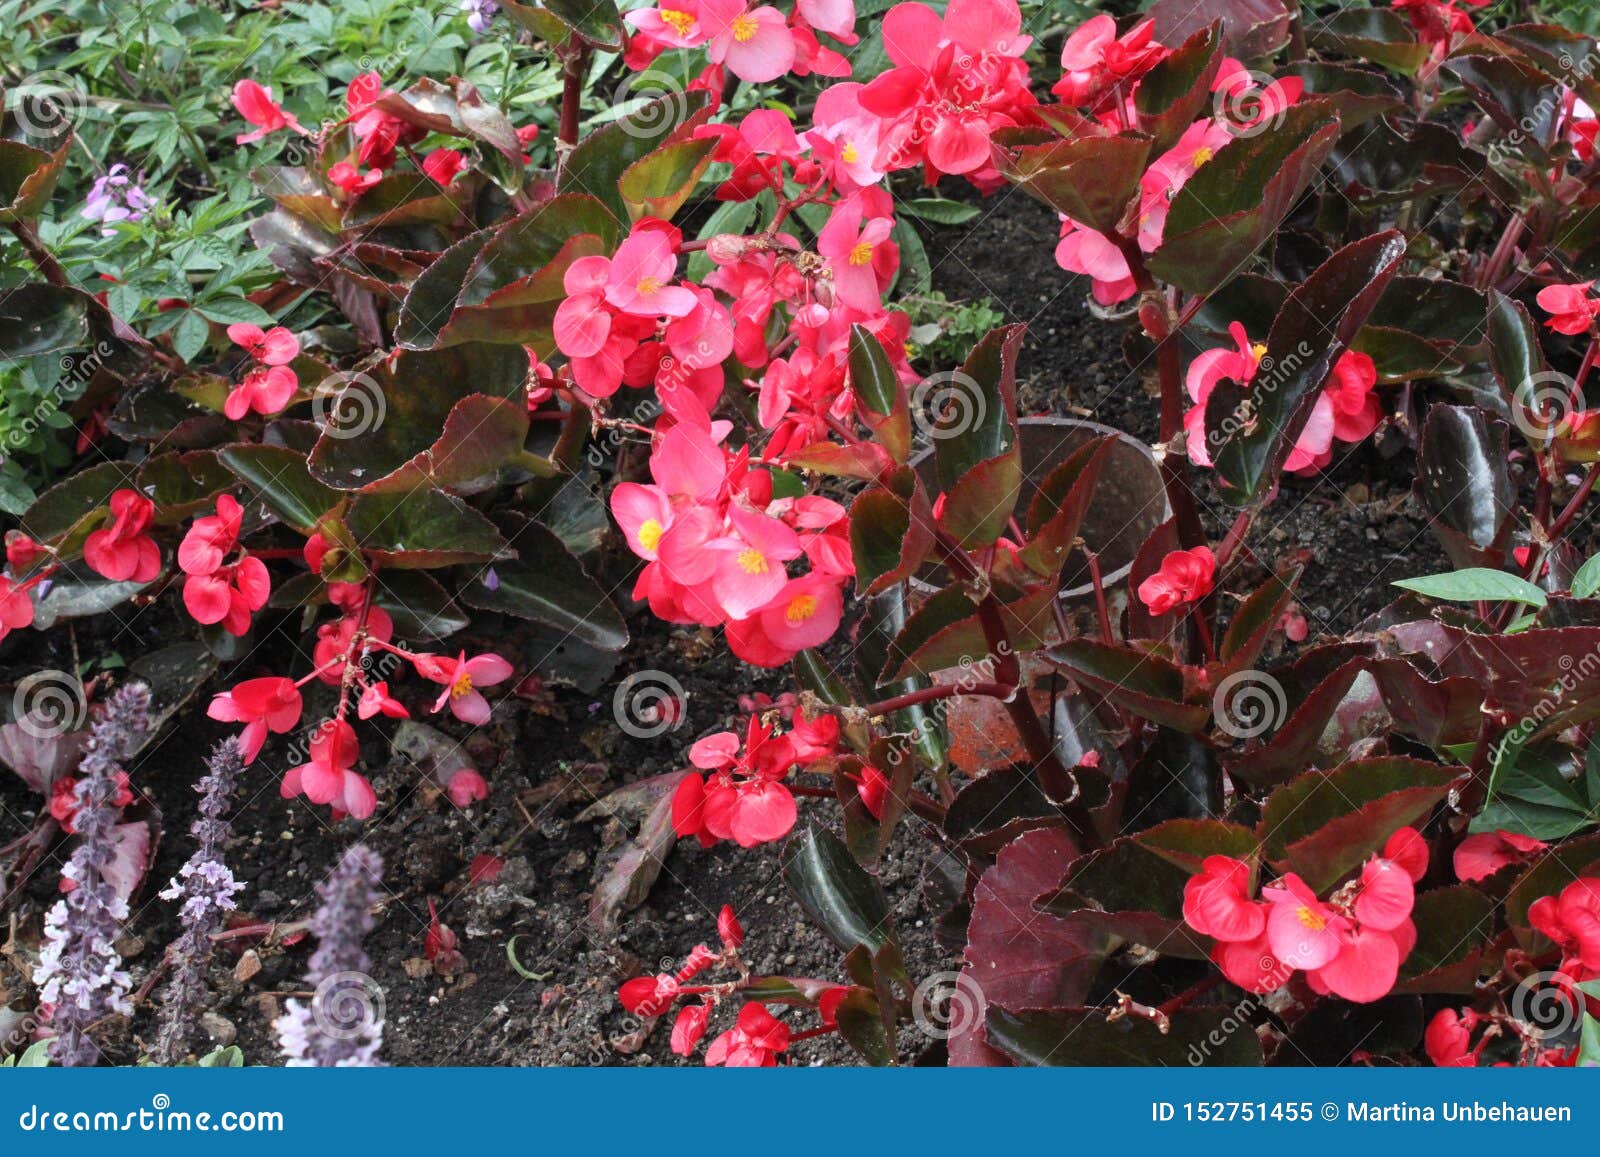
(548,760)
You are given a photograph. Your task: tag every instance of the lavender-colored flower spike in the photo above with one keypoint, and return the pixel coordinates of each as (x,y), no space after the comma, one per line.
(80,973)
(343,1024)
(206,887)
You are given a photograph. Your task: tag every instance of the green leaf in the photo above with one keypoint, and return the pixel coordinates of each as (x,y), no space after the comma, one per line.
(1150,686)
(230,310)
(422,529)
(596,166)
(971,414)
(1531,797)
(657,185)
(881,394)
(42,319)
(1173,93)
(1376,34)
(1517,358)
(394,425)
(1464,482)
(891,530)
(1237,200)
(596,21)
(1453,926)
(277,476)
(546,584)
(1587,581)
(835,891)
(1475,584)
(939,210)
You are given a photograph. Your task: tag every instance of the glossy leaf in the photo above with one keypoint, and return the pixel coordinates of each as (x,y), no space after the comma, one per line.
(891,531)
(978,418)
(835,891)
(1147,685)
(1376,34)
(596,166)
(1176,91)
(1324,825)
(1093,180)
(278,478)
(1464,482)
(40,319)
(422,529)
(1475,584)
(546,584)
(1228,209)
(1317,324)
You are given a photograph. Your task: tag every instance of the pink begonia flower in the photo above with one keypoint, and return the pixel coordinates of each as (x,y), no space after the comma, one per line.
(328,777)
(268,704)
(254,102)
(462,677)
(754,43)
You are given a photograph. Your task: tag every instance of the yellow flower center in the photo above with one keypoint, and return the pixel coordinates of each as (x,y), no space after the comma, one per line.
(752,561)
(861,254)
(744,27)
(1203,154)
(680,22)
(1259,350)
(848,154)
(801,608)
(462,685)
(648,285)
(1315,921)
(650,532)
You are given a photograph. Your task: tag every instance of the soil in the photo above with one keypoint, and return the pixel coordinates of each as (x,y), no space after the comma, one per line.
(548,759)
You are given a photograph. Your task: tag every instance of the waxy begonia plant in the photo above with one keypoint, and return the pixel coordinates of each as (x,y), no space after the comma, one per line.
(1311,231)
